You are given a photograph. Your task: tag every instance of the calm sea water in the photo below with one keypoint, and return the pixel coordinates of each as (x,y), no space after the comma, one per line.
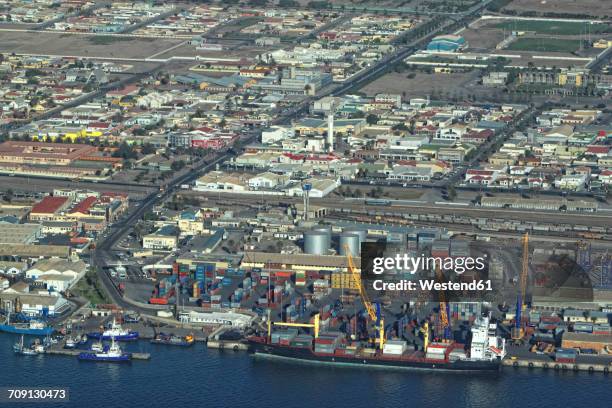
(199,377)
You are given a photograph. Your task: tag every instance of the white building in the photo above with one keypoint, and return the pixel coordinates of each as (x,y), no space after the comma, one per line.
(57,274)
(275,134)
(268,180)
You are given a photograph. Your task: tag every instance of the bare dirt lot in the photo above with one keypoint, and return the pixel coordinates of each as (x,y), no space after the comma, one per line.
(595,8)
(424,84)
(46,43)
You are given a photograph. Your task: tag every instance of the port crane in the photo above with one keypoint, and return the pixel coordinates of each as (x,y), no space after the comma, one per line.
(517,331)
(444,308)
(374,313)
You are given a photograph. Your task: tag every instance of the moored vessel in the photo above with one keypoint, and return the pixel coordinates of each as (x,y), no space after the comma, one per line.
(31,327)
(484,354)
(116,332)
(173,340)
(114,354)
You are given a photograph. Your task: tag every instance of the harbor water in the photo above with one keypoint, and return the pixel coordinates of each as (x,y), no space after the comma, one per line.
(198,377)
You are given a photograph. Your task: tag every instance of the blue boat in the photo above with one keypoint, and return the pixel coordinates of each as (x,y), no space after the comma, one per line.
(113,354)
(33,328)
(116,332)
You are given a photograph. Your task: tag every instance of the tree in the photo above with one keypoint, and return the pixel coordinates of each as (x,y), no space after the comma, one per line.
(177,165)
(148,148)
(371,119)
(452,193)
(8,195)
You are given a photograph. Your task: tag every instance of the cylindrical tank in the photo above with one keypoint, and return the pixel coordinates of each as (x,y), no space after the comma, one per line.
(327,229)
(363,234)
(316,242)
(352,241)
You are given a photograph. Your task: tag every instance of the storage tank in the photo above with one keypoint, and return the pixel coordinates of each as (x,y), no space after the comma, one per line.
(353,243)
(316,242)
(363,234)
(327,229)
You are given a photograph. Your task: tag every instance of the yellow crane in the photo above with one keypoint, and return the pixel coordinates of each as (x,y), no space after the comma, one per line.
(444,318)
(521,306)
(371,310)
(315,325)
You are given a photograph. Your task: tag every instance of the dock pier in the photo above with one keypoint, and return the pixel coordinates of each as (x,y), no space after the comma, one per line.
(553,365)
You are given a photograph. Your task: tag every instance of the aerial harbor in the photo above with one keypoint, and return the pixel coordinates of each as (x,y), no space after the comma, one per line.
(344,203)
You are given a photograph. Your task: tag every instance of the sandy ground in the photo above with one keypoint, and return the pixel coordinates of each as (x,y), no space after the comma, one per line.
(79,45)
(423,84)
(593,7)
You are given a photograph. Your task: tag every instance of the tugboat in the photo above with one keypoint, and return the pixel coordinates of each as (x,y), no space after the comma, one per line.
(32,327)
(114,354)
(116,332)
(172,340)
(24,351)
(70,343)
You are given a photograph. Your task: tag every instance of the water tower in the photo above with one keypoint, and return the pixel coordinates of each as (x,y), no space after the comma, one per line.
(306,187)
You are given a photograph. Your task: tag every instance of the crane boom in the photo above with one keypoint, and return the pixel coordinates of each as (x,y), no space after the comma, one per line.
(364,296)
(373,312)
(444,318)
(517,332)
(525,269)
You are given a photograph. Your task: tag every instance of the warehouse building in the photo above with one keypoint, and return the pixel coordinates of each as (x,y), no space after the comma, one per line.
(295,262)
(19,233)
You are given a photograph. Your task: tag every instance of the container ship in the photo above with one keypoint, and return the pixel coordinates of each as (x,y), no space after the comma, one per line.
(116,332)
(484,354)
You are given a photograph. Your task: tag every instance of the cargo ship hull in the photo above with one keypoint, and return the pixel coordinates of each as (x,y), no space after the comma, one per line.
(306,355)
(8,328)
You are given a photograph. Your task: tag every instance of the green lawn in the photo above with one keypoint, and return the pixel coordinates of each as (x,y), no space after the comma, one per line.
(555,27)
(544,45)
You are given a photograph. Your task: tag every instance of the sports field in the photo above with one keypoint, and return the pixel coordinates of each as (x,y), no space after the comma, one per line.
(555,27)
(544,45)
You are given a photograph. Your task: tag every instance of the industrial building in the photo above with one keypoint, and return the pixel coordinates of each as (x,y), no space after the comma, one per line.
(296,262)
(19,233)
(165,238)
(447,43)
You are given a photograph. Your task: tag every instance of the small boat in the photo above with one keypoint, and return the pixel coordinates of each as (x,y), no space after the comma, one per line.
(70,343)
(113,354)
(83,339)
(172,340)
(24,351)
(116,332)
